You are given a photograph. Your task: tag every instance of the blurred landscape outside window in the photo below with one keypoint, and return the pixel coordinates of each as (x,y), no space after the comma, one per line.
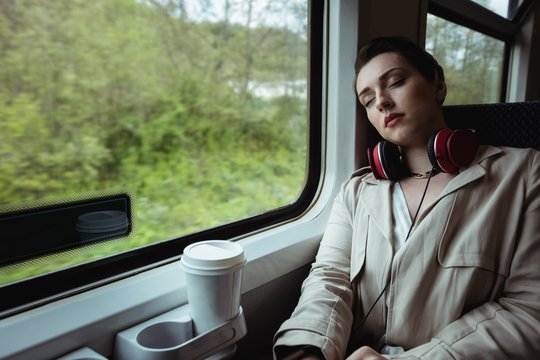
(196,109)
(472,62)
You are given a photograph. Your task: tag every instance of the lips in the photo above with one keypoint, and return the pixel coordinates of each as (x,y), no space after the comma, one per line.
(390,120)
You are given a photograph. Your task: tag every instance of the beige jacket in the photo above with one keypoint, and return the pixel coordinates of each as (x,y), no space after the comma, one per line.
(466,285)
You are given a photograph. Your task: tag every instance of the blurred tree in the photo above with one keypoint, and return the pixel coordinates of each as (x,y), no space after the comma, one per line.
(472,61)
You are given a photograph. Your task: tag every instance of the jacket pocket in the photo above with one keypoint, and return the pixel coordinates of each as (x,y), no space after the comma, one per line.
(471,251)
(473,272)
(476,237)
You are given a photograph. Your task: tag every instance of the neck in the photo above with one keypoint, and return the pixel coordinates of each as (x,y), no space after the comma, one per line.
(416,159)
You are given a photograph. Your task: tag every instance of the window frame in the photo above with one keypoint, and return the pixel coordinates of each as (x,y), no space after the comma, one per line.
(32,292)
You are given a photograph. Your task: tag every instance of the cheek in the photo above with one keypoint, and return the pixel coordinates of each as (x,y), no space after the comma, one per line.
(407,95)
(373,118)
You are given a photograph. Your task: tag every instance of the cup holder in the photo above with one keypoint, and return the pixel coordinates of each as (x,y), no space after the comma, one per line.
(165,335)
(170,336)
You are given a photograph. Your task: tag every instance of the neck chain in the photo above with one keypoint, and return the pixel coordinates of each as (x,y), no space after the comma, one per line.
(425,175)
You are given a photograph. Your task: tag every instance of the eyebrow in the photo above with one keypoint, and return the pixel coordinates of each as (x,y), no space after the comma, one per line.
(381,78)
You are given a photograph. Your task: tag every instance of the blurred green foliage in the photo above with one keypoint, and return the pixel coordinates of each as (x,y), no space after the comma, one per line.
(108,96)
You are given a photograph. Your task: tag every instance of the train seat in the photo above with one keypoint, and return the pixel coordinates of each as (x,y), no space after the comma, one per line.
(514,124)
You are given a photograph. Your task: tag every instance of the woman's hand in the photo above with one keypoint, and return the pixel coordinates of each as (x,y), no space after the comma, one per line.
(365,353)
(301,355)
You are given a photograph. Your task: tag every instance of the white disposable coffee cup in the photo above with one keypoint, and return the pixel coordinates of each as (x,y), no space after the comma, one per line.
(213,271)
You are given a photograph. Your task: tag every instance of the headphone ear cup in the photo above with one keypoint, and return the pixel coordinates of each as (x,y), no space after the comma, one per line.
(431,151)
(451,150)
(462,146)
(438,152)
(385,161)
(373,165)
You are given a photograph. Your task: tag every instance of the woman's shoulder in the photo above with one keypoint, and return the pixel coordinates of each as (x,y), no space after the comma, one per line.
(511,154)
(510,161)
(360,180)
(515,150)
(361,173)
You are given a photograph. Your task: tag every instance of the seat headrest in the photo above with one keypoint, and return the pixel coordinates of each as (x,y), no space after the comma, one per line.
(503,124)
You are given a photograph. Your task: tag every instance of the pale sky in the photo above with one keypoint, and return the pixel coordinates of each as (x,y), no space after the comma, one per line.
(499,6)
(271,12)
(267,12)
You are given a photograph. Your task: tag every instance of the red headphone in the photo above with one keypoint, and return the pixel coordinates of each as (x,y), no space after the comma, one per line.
(448,150)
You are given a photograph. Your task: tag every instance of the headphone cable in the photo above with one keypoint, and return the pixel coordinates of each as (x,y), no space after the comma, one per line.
(406,238)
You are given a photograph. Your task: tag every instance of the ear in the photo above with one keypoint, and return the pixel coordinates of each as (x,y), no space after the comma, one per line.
(441,91)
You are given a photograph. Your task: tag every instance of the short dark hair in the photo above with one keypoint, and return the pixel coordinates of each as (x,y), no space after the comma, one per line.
(417,57)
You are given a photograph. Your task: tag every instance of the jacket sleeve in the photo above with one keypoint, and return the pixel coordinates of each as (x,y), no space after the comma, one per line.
(323,316)
(510,327)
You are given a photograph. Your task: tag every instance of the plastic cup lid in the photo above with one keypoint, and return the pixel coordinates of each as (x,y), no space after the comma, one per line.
(213,255)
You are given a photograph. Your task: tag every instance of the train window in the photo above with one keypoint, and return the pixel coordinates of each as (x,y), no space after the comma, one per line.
(473,62)
(196,109)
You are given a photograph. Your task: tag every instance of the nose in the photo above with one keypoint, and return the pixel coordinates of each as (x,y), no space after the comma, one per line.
(384,101)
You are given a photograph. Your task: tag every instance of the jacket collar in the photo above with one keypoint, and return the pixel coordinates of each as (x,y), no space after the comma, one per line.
(474,172)
(378,203)
(377,198)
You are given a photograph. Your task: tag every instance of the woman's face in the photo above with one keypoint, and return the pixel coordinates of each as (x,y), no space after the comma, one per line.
(403,106)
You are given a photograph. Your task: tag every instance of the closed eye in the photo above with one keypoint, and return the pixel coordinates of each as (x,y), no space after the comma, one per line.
(397,83)
(368,102)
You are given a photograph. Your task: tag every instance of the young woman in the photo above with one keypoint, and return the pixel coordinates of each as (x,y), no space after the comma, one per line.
(434,251)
